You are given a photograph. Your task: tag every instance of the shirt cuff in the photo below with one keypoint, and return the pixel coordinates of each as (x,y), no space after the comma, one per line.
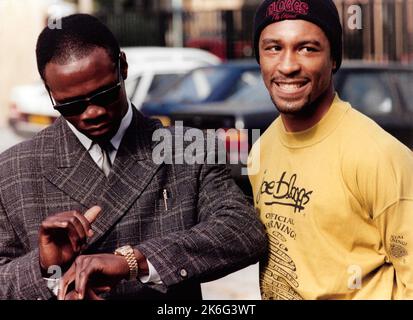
(53,285)
(153,276)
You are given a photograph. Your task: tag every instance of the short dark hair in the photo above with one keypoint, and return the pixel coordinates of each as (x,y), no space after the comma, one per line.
(78,36)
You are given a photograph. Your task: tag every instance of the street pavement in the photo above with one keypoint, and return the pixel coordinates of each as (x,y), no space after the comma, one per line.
(241,285)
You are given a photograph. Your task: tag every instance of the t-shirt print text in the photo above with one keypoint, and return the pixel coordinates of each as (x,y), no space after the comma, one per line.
(284,192)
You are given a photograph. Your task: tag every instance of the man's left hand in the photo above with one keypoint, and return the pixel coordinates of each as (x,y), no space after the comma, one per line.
(92,275)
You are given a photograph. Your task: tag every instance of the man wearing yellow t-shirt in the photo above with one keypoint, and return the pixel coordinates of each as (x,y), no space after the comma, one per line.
(333,189)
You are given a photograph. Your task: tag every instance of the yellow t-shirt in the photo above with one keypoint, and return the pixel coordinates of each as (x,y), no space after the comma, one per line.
(337,203)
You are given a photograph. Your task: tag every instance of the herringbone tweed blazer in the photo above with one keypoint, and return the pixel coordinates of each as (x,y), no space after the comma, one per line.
(207,230)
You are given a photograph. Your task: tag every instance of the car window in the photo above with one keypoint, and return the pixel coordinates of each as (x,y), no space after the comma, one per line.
(159,81)
(131,85)
(405,80)
(254,93)
(247,79)
(196,86)
(368,92)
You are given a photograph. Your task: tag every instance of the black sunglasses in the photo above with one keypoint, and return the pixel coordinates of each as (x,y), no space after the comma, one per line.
(102,98)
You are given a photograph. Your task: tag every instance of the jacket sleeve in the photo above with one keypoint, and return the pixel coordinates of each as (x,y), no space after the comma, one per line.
(20,275)
(228,235)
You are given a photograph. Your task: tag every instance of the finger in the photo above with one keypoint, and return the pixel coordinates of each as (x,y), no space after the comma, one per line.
(77,223)
(47,228)
(71,222)
(91,294)
(76,234)
(72,295)
(81,263)
(92,213)
(53,223)
(58,221)
(84,222)
(100,290)
(88,267)
(65,281)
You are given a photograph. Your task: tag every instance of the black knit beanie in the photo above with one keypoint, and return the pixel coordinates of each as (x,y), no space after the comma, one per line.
(323,13)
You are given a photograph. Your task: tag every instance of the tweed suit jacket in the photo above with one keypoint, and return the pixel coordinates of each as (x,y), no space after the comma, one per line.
(207,230)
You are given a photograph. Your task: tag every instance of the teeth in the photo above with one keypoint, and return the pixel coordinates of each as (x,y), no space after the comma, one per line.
(290,86)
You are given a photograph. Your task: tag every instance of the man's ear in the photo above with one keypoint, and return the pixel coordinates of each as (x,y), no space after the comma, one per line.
(123,65)
(334,66)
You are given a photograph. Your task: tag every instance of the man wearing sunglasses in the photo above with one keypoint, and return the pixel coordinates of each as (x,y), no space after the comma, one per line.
(84,198)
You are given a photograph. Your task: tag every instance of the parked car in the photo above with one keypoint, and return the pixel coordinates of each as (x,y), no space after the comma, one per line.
(202,86)
(250,108)
(383,92)
(149,69)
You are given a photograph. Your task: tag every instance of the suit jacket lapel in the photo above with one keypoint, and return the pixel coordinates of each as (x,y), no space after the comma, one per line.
(72,170)
(131,173)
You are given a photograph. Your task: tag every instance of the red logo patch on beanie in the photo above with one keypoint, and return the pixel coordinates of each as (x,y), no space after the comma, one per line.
(287,9)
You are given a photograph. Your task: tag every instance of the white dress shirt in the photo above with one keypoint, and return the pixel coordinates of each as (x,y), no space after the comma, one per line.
(96,153)
(94,150)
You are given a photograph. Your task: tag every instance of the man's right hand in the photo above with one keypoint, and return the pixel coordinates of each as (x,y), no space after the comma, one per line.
(63,236)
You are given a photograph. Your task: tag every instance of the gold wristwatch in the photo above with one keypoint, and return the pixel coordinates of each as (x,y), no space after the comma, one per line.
(127,252)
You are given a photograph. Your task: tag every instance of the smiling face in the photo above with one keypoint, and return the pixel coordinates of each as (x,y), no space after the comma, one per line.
(82,78)
(297,67)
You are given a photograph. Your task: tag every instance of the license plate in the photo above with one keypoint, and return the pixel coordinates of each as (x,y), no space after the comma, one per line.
(45,120)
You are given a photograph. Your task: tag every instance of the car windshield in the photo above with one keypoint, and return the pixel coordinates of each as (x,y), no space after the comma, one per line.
(248,79)
(196,86)
(131,85)
(368,92)
(161,81)
(254,93)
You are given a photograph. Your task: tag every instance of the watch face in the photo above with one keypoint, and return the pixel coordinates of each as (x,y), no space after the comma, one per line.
(124,250)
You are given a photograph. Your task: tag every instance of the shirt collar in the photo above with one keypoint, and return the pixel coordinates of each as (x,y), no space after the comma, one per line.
(317,133)
(117,138)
